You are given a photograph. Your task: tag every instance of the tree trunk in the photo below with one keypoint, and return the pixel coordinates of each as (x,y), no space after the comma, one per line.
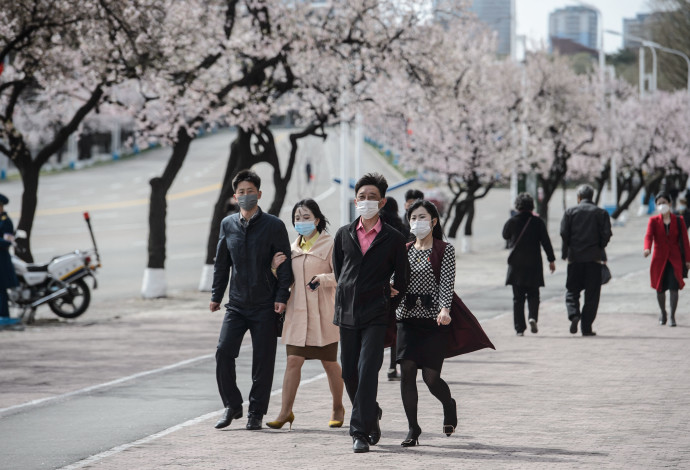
(29,174)
(460,210)
(158,206)
(241,158)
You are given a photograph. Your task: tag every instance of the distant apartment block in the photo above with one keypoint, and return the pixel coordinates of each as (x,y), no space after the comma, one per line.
(576,23)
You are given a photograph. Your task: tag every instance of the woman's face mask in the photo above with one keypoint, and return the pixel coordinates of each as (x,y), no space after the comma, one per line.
(420,228)
(664,208)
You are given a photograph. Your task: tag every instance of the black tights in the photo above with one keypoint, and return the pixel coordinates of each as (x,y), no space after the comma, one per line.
(661,298)
(408,388)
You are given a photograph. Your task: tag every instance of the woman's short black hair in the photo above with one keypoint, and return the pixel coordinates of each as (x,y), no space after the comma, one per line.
(374,179)
(663,194)
(315,209)
(246,175)
(524,202)
(437,231)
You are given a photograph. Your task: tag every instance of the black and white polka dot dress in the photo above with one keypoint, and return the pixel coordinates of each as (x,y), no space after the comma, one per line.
(420,338)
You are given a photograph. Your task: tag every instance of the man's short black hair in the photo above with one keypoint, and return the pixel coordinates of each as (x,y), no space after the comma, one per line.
(373,179)
(413,194)
(246,175)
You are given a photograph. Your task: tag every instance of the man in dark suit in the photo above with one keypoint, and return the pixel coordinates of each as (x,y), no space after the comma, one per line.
(585,231)
(365,255)
(248,241)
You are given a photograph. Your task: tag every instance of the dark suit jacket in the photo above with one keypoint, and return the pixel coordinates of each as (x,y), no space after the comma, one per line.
(248,252)
(585,231)
(363,293)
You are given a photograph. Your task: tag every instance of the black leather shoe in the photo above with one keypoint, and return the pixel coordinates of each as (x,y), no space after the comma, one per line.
(227,417)
(254,422)
(589,333)
(359,445)
(573,323)
(375,435)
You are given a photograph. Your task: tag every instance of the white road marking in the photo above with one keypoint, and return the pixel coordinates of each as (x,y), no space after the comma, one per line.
(105,384)
(145,440)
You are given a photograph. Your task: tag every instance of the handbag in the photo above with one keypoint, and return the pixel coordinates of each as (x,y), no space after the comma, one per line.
(519,238)
(605,274)
(682,248)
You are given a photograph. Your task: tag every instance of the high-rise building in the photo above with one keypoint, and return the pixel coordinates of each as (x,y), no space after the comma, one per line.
(499,16)
(576,23)
(641,26)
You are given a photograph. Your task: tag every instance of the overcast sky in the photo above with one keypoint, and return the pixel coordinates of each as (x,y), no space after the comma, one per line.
(533,17)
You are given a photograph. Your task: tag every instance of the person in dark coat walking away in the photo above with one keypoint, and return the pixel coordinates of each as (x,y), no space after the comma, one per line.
(585,232)
(389,214)
(8,278)
(366,254)
(411,196)
(423,316)
(525,233)
(668,236)
(248,241)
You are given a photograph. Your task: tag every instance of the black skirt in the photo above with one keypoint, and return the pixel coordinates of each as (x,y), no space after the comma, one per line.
(422,341)
(668,280)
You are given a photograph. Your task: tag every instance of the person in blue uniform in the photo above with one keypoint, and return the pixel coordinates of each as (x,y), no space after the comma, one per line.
(8,278)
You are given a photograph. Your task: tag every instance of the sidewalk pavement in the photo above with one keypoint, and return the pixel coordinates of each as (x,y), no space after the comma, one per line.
(547,401)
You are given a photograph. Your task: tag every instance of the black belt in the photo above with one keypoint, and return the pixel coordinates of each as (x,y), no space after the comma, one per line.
(419,300)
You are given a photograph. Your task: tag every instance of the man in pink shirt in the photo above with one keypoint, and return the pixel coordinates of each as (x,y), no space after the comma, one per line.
(365,255)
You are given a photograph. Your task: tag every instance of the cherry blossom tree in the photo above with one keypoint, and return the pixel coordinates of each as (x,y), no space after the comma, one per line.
(451,112)
(63,58)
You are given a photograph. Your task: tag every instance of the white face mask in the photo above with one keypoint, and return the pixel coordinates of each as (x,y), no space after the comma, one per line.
(664,208)
(367,209)
(420,228)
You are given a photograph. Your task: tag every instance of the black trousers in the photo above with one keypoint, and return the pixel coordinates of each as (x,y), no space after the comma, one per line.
(587,277)
(361,356)
(519,295)
(261,323)
(4,303)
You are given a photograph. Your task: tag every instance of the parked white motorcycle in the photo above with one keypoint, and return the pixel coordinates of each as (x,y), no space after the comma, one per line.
(60,283)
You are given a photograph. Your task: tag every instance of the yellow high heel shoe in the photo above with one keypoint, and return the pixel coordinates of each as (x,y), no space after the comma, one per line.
(278,424)
(334,423)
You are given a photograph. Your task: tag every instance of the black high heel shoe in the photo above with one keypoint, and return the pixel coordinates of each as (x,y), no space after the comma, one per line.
(450,418)
(412,437)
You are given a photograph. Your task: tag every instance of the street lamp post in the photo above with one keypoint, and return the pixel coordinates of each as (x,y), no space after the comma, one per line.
(653,45)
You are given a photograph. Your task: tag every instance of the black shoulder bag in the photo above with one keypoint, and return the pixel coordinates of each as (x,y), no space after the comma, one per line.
(519,237)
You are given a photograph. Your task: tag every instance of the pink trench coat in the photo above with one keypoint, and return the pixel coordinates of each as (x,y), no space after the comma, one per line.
(309,314)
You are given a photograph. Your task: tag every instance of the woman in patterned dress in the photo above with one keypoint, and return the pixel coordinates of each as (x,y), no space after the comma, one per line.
(422,319)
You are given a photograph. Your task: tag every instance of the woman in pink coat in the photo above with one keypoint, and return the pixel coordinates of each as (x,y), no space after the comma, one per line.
(666,232)
(308,331)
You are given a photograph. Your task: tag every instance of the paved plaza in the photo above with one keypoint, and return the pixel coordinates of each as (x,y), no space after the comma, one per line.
(551,400)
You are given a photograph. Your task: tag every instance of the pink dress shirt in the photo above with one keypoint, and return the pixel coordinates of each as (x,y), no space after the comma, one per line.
(366,238)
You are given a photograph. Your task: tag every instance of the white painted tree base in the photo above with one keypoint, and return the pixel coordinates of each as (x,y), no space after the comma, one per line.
(206,281)
(466,244)
(154,286)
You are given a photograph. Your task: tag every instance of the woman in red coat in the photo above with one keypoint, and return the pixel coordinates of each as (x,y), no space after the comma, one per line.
(665,231)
